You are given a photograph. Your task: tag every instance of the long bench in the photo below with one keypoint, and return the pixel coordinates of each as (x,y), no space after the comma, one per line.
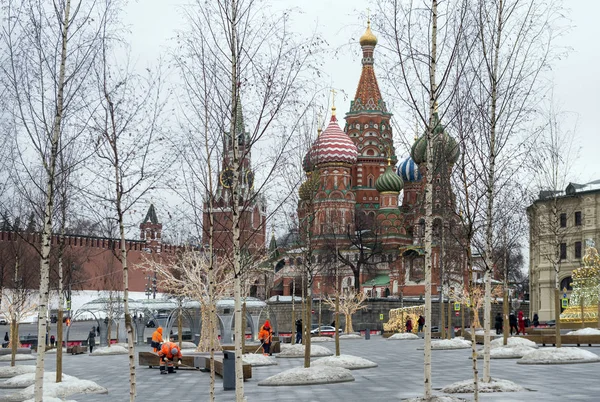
(197,361)
(578,340)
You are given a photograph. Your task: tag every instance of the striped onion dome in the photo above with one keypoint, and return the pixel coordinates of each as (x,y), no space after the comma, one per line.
(389,181)
(409,171)
(333,145)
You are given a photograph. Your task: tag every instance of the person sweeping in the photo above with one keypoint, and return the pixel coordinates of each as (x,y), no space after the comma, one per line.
(265,336)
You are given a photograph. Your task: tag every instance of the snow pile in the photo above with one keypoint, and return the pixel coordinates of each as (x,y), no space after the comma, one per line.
(113,350)
(187,345)
(21,357)
(50,399)
(585,331)
(507,352)
(448,344)
(298,351)
(54,350)
(322,339)
(350,336)
(436,398)
(69,386)
(309,376)
(346,361)
(403,336)
(513,341)
(256,360)
(495,385)
(188,351)
(559,356)
(8,371)
(27,379)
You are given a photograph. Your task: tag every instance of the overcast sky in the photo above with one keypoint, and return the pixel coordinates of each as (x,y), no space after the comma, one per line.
(577,87)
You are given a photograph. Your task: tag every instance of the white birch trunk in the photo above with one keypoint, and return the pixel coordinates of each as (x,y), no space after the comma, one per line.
(47,230)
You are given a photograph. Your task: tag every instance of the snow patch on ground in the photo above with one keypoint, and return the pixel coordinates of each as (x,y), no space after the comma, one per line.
(54,350)
(350,336)
(585,331)
(27,379)
(507,352)
(309,376)
(68,387)
(436,398)
(187,345)
(559,356)
(297,350)
(403,336)
(346,361)
(113,350)
(256,360)
(9,372)
(322,339)
(50,399)
(21,357)
(188,351)
(495,385)
(513,341)
(449,344)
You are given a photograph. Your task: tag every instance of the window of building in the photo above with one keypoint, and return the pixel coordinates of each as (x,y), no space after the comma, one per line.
(577,249)
(566,283)
(563,251)
(563,220)
(578,218)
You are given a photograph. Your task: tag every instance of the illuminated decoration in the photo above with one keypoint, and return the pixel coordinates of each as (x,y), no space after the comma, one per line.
(399,316)
(584,297)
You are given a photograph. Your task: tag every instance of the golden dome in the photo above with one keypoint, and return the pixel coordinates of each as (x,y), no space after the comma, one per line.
(368,38)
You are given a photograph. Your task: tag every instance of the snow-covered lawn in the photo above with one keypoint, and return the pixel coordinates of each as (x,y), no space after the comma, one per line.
(21,357)
(113,350)
(495,385)
(346,361)
(8,371)
(54,350)
(27,379)
(585,331)
(256,360)
(513,341)
(69,386)
(322,339)
(559,356)
(350,336)
(298,351)
(449,344)
(309,376)
(507,352)
(436,398)
(51,399)
(403,336)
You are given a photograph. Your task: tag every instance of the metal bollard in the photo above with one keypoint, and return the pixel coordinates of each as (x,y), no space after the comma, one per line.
(228,370)
(367,334)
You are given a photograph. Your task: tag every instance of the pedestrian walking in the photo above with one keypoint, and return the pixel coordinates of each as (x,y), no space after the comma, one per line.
(421,323)
(498,323)
(265,336)
(6,340)
(298,331)
(521,322)
(409,325)
(168,352)
(52,340)
(512,321)
(91,339)
(536,320)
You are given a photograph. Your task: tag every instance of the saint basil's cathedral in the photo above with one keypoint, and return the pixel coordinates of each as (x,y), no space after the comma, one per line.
(350,222)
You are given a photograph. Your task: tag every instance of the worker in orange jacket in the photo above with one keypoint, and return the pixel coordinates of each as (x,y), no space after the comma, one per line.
(265,335)
(168,352)
(157,339)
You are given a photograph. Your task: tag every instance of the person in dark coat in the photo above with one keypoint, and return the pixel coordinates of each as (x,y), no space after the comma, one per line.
(409,325)
(536,320)
(512,320)
(498,324)
(298,331)
(91,339)
(421,323)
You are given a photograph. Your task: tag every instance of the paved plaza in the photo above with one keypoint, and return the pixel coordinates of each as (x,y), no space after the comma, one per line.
(398,376)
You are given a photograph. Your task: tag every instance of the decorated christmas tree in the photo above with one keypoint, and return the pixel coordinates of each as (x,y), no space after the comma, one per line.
(584,297)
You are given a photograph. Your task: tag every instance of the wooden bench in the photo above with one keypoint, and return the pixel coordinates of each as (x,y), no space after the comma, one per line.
(197,361)
(578,340)
(76,349)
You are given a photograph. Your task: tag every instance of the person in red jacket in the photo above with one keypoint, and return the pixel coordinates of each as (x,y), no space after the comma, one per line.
(521,323)
(168,352)
(409,325)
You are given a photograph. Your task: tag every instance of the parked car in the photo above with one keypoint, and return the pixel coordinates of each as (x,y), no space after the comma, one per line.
(325,330)
(3,321)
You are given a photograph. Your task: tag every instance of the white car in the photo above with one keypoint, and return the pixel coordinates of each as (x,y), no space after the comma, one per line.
(326,330)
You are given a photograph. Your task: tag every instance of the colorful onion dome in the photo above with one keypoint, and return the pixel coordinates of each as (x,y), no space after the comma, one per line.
(307,166)
(389,181)
(310,186)
(445,148)
(409,171)
(333,145)
(368,38)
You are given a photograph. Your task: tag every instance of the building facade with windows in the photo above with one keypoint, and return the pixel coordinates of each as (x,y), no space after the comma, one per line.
(561,224)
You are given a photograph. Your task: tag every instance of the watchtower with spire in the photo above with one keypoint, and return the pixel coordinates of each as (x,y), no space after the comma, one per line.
(151,230)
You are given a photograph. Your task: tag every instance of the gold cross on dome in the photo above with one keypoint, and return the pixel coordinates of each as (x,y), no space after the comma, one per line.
(333,92)
(369,16)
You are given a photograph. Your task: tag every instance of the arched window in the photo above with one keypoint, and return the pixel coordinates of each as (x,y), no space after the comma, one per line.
(370,180)
(566,283)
